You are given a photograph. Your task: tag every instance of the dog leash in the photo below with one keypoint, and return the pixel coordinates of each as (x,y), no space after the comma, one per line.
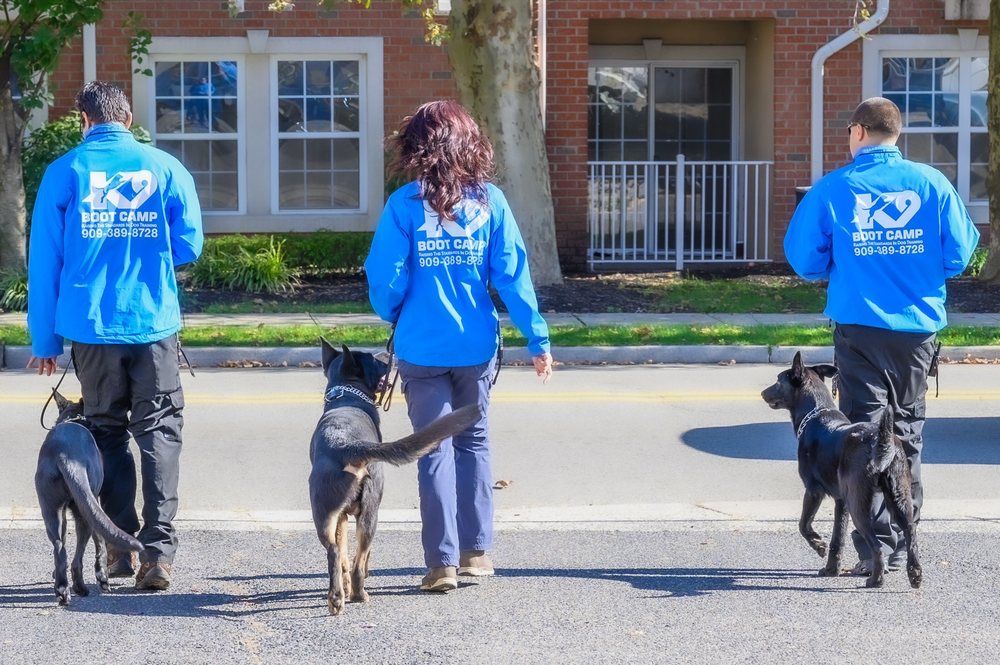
(499,353)
(385,396)
(52,395)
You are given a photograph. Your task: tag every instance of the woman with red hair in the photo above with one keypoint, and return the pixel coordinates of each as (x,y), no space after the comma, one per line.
(443,240)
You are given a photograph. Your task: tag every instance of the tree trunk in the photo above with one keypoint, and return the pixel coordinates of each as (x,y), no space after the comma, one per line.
(498,81)
(12,214)
(991,271)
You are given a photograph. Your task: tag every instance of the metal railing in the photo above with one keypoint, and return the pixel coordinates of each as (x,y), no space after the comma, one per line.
(721,215)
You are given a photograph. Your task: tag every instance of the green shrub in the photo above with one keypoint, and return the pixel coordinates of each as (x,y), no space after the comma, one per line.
(977,262)
(13,292)
(327,251)
(251,264)
(49,142)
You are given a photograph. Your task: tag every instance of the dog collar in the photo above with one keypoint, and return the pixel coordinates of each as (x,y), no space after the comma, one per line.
(337,392)
(809,418)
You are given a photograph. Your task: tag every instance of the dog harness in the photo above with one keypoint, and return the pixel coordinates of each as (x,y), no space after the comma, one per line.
(809,417)
(337,392)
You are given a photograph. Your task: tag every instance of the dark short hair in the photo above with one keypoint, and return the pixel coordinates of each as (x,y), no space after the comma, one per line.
(103,102)
(879,116)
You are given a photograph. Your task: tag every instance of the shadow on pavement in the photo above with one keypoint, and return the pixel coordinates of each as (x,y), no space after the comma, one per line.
(946,441)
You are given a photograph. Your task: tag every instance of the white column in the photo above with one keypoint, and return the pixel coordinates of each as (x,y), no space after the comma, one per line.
(89,52)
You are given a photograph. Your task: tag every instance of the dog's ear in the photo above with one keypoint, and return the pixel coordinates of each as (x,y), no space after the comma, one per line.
(825,371)
(61,402)
(798,368)
(329,353)
(350,365)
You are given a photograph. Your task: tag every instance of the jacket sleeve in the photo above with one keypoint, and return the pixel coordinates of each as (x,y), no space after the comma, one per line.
(959,236)
(508,267)
(184,218)
(45,261)
(808,241)
(387,265)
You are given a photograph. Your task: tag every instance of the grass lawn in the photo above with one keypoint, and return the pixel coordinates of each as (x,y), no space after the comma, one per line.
(757,294)
(374,336)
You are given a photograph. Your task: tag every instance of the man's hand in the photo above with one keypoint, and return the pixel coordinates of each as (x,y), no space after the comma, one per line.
(543,366)
(46,366)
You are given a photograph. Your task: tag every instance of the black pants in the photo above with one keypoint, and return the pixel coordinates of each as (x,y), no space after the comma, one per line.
(866,357)
(136,388)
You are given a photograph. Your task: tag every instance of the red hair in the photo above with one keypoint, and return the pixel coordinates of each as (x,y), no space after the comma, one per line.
(442,146)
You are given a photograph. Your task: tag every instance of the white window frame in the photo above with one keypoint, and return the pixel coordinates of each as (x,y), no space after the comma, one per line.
(241,150)
(257,49)
(966,43)
(361,134)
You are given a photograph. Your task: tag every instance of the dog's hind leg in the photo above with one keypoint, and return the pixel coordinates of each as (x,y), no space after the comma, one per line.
(326,528)
(861,504)
(345,559)
(101,563)
(832,568)
(83,533)
(55,528)
(899,501)
(810,505)
(367,523)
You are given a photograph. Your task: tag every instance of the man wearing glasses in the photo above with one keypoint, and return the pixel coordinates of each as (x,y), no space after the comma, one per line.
(887,233)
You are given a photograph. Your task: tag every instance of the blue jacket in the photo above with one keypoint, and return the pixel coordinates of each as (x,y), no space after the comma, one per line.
(887,232)
(431,279)
(112,220)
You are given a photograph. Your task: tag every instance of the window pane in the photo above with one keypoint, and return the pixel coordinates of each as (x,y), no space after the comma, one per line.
(346,190)
(196,156)
(168,79)
(318,114)
(900,101)
(979,71)
(224,76)
(346,154)
(693,121)
(666,150)
(921,74)
(319,190)
(318,155)
(720,86)
(668,85)
(290,118)
(979,144)
(196,116)
(225,156)
(175,148)
(636,122)
(346,78)
(196,78)
(168,116)
(920,111)
(918,147)
(946,74)
(635,151)
(225,192)
(291,155)
(946,110)
(978,109)
(610,120)
(945,148)
(290,78)
(292,190)
(224,115)
(977,182)
(950,172)
(893,74)
(318,78)
(720,122)
(693,85)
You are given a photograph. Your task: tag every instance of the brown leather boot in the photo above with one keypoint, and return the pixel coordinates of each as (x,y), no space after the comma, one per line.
(153,576)
(122,564)
(475,563)
(442,579)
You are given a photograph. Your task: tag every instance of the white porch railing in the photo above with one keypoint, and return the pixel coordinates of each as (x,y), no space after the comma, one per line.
(721,215)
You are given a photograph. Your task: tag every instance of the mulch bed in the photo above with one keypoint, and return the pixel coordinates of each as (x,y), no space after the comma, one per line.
(626,293)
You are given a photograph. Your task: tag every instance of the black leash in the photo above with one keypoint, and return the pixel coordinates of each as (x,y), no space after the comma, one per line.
(934,370)
(385,396)
(52,395)
(181,354)
(499,353)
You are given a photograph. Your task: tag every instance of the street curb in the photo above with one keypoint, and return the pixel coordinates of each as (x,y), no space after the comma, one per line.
(16,357)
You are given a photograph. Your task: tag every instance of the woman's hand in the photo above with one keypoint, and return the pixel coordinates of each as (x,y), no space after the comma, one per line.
(543,366)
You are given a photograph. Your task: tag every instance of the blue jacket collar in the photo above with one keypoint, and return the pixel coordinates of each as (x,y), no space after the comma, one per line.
(877,153)
(107,129)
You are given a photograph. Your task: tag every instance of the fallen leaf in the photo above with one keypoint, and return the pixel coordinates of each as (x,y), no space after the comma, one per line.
(635,632)
(731,361)
(502,484)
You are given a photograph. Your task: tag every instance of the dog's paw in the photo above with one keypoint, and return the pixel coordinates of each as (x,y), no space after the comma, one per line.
(875,582)
(360,596)
(81,590)
(916,576)
(63,596)
(335,604)
(105,586)
(820,547)
(829,571)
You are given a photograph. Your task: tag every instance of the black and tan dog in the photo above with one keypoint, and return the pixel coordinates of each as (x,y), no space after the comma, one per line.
(851,463)
(346,476)
(69,475)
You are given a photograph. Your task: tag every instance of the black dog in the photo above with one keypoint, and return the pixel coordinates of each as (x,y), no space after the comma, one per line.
(851,463)
(346,478)
(70,474)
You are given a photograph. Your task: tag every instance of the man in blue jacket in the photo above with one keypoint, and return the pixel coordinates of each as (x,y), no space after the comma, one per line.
(112,220)
(887,233)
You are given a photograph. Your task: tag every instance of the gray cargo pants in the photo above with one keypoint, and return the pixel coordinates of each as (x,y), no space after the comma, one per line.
(136,388)
(865,357)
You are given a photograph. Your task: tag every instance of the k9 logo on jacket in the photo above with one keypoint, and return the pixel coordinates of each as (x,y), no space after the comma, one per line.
(881,224)
(113,208)
(451,243)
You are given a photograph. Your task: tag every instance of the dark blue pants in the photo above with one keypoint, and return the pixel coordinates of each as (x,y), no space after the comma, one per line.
(455,480)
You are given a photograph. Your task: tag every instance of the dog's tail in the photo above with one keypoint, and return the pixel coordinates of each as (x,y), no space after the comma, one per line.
(418,444)
(885,446)
(75,477)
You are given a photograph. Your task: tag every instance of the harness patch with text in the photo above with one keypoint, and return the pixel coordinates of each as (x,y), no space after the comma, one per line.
(881,224)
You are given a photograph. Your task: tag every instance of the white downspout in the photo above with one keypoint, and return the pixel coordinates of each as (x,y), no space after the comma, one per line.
(543,35)
(818,61)
(89,53)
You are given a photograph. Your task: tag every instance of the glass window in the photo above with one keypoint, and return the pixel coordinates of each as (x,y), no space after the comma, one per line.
(197,120)
(943,103)
(318,141)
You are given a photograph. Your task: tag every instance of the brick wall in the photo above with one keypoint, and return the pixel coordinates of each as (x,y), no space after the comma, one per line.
(801,27)
(415,72)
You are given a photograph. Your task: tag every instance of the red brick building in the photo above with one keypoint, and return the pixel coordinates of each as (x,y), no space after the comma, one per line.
(690,111)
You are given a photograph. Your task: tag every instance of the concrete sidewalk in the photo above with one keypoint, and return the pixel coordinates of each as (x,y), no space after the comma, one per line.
(554,319)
